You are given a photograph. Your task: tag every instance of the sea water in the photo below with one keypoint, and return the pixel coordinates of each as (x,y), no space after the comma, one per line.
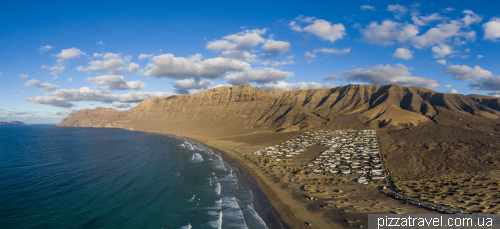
(65,177)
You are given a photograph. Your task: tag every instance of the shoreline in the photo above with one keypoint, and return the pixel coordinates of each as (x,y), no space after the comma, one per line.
(254,178)
(290,215)
(337,203)
(281,210)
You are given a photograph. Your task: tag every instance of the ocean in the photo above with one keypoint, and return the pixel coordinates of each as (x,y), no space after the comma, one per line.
(65,177)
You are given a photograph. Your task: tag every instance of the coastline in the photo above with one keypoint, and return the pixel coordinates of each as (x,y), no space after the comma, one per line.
(336,204)
(245,177)
(283,211)
(253,178)
(294,214)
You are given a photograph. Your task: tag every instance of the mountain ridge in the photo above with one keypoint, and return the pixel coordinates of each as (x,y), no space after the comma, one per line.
(13,123)
(422,133)
(365,106)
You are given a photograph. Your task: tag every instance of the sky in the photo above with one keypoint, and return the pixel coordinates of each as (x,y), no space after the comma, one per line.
(57,57)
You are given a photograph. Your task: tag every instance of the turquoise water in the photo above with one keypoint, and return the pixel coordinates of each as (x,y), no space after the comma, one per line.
(63,177)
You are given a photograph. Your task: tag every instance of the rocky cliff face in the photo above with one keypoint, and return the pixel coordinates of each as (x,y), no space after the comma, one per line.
(244,108)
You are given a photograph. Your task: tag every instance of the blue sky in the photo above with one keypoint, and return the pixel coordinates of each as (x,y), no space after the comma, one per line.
(61,56)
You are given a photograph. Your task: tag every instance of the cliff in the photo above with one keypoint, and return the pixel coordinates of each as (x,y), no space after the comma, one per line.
(245,108)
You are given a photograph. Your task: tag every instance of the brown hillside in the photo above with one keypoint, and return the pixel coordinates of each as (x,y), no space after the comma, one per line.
(245,107)
(423,133)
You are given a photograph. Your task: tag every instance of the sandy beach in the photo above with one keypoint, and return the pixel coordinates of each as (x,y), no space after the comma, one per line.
(240,121)
(335,204)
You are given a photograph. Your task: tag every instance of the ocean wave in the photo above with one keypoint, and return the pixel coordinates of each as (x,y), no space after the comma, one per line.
(186,227)
(188,145)
(218,163)
(192,198)
(217,223)
(197,158)
(233,216)
(256,221)
(217,188)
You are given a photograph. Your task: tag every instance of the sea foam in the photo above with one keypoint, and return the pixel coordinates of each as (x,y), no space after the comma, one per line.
(197,158)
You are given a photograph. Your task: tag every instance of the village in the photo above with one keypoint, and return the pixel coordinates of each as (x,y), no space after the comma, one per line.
(348,152)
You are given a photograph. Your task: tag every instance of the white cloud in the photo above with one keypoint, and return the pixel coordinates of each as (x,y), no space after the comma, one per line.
(23,76)
(223,85)
(241,45)
(489,84)
(367,7)
(310,56)
(114,63)
(67,54)
(111,62)
(145,56)
(492,29)
(439,34)
(465,72)
(115,82)
(42,86)
(387,32)
(242,41)
(287,60)
(398,10)
(443,62)
(284,86)
(471,18)
(99,43)
(45,48)
(128,58)
(320,28)
(58,113)
(167,65)
(386,74)
(1,73)
(448,9)
(402,53)
(65,97)
(424,20)
(240,54)
(479,56)
(132,67)
(70,79)
(260,76)
(190,86)
(56,70)
(18,113)
(442,51)
(274,48)
(452,91)
(295,27)
(121,105)
(334,51)
(448,86)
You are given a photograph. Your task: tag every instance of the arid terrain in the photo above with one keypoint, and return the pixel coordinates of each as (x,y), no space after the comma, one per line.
(441,148)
